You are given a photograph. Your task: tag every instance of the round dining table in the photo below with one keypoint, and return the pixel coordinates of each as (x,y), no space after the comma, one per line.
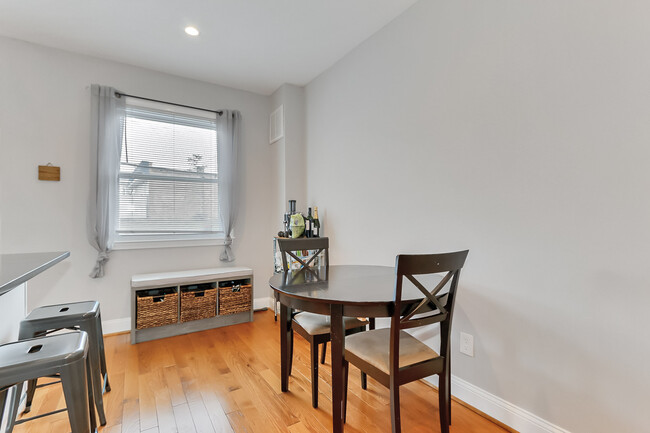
(336,291)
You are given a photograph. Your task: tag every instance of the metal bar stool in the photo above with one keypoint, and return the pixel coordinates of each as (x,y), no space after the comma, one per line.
(84,316)
(65,355)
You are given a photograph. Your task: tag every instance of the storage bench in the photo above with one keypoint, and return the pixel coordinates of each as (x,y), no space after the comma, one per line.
(174,303)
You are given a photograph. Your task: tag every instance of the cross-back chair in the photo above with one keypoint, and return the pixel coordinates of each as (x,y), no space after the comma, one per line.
(315,328)
(394,357)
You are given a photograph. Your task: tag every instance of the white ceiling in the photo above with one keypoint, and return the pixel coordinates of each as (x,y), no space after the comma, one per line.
(255,45)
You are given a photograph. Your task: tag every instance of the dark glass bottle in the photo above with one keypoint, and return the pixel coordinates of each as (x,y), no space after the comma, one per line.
(308,224)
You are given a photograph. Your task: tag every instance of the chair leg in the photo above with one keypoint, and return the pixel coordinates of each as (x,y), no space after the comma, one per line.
(448,393)
(275,306)
(314,374)
(448,396)
(395,418)
(346,368)
(31,389)
(322,356)
(291,352)
(364,376)
(443,402)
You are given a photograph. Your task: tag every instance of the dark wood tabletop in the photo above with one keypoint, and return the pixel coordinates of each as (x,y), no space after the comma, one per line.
(365,289)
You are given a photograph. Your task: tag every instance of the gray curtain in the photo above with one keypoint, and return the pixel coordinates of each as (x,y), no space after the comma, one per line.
(107,131)
(228,127)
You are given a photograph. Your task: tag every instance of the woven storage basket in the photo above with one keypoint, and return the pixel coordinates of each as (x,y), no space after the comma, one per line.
(235,299)
(156,308)
(198,302)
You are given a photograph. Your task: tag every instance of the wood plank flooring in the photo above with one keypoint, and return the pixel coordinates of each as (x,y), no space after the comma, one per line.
(227,380)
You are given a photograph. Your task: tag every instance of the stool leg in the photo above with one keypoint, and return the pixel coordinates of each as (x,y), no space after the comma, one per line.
(91,399)
(3,401)
(14,403)
(95,365)
(25,332)
(75,390)
(31,389)
(102,353)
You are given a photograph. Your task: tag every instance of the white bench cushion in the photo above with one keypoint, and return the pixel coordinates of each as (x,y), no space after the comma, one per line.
(188,277)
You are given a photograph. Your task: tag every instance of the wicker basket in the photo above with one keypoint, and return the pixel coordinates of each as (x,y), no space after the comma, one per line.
(235,299)
(198,302)
(156,308)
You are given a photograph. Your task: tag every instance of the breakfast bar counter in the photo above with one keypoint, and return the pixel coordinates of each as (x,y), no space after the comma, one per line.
(15,269)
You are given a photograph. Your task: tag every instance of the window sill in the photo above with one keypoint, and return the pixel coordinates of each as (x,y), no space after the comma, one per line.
(166,243)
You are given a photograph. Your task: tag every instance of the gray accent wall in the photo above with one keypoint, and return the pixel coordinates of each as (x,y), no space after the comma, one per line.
(518,130)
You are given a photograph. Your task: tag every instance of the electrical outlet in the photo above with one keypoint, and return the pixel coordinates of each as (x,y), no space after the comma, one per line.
(467,344)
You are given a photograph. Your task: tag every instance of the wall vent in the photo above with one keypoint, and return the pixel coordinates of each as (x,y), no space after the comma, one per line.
(276,129)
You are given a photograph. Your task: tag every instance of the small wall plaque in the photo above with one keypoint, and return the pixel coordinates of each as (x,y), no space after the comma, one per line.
(49,172)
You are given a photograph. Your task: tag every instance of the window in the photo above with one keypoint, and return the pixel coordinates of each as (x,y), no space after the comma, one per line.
(168,189)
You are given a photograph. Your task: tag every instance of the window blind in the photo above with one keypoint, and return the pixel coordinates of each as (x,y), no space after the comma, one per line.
(168,171)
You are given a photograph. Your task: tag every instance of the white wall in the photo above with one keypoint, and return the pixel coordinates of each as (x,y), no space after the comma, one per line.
(290,150)
(44,117)
(1,205)
(518,130)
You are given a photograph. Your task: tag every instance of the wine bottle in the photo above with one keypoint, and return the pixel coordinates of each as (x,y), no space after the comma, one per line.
(315,224)
(308,224)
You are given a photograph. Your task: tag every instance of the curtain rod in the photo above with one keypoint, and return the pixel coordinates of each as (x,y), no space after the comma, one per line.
(120,94)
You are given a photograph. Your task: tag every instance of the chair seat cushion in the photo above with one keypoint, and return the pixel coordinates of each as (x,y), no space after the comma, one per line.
(374,346)
(316,324)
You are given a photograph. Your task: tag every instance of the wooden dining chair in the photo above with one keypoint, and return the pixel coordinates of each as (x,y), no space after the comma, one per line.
(315,328)
(394,357)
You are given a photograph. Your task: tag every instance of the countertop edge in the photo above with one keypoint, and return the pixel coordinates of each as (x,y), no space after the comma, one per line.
(9,285)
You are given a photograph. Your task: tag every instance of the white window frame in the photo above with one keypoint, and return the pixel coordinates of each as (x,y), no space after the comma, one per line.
(132,241)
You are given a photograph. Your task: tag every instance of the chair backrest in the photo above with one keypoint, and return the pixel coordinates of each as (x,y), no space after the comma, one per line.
(288,247)
(435,307)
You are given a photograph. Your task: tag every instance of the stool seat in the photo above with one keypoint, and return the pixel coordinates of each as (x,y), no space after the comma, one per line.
(45,355)
(62,314)
(65,355)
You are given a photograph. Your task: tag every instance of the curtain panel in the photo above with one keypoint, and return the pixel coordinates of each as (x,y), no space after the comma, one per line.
(228,137)
(107,132)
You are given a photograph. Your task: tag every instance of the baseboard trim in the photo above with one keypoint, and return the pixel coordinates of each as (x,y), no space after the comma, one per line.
(262,303)
(116,326)
(496,408)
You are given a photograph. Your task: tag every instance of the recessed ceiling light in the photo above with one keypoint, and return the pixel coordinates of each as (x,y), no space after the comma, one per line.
(192,31)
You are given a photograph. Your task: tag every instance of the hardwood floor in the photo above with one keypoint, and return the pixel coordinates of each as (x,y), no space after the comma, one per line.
(227,380)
